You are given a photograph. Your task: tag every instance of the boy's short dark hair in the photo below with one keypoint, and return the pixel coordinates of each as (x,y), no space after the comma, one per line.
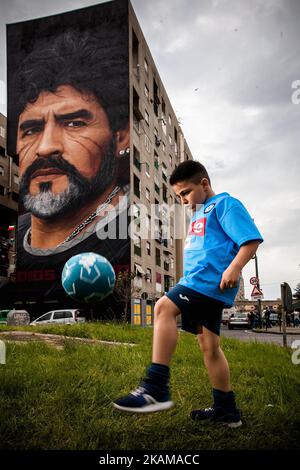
(189,170)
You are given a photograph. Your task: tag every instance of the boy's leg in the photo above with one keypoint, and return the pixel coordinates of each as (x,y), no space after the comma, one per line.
(224,409)
(214,360)
(153,393)
(165,331)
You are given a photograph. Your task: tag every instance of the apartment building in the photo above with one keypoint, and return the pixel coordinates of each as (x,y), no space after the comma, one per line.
(157,146)
(9,197)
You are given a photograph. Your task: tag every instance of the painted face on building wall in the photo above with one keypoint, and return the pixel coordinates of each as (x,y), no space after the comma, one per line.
(67,152)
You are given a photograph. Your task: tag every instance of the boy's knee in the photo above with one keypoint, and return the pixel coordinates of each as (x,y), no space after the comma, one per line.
(163,308)
(209,349)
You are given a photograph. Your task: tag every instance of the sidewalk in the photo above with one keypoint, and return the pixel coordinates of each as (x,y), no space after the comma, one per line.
(276,331)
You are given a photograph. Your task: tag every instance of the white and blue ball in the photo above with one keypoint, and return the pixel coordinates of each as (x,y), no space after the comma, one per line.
(88,277)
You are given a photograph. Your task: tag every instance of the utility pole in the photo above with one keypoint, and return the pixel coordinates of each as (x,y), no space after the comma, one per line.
(287,301)
(257,277)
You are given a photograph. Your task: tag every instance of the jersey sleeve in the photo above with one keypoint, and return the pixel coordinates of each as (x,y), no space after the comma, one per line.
(237,223)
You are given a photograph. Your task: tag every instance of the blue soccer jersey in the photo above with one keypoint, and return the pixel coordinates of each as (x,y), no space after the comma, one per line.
(216,232)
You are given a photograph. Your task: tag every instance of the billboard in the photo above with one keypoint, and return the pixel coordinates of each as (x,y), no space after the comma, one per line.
(68,122)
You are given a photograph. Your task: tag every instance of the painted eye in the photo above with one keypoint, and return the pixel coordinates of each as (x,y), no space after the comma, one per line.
(75,124)
(31,131)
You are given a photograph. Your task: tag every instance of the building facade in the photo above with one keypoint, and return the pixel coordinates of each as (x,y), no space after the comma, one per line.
(157,146)
(9,197)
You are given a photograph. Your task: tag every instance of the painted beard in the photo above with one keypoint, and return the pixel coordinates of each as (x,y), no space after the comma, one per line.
(47,205)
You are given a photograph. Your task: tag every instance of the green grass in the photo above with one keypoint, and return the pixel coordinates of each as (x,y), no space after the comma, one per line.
(61,399)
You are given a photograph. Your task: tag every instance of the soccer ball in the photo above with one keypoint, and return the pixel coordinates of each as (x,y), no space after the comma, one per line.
(88,277)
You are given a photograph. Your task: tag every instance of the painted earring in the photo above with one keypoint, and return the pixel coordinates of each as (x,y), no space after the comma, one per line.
(124,152)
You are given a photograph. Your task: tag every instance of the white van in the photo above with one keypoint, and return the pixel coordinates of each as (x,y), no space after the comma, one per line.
(226,314)
(66,316)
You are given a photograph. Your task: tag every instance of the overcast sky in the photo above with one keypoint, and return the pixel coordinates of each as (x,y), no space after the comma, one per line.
(228,68)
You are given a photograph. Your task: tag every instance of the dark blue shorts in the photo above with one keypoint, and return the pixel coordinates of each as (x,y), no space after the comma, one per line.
(197,309)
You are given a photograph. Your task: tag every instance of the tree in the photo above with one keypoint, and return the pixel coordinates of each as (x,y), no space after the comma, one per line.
(124,290)
(297,293)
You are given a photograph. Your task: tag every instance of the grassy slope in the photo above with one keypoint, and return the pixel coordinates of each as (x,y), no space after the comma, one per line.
(51,399)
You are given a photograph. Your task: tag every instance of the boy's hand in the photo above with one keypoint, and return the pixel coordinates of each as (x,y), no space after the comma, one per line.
(230,277)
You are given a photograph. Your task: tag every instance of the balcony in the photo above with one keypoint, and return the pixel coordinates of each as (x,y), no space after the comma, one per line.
(137,163)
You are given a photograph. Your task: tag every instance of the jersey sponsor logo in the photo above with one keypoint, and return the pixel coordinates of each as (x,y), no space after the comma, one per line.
(209,208)
(198,227)
(184,297)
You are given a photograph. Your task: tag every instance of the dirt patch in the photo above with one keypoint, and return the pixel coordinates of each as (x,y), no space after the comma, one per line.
(56,341)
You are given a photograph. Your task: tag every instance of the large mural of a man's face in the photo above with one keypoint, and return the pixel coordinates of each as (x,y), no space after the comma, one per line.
(68,124)
(67,151)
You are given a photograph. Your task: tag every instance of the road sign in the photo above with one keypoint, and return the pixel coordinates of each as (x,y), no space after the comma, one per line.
(254,281)
(256,293)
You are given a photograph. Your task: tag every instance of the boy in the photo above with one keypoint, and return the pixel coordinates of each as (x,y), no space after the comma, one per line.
(222,238)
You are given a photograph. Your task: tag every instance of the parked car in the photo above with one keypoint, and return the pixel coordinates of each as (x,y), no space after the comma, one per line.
(3,316)
(66,317)
(239,320)
(274,318)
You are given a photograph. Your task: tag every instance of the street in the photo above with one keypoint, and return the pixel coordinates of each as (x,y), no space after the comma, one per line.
(249,335)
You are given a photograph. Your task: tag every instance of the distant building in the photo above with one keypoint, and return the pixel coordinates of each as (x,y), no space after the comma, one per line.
(9,197)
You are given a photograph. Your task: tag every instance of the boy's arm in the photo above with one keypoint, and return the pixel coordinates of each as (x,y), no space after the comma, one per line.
(231,275)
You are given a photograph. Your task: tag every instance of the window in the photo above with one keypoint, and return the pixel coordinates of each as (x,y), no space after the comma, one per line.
(136,122)
(135,50)
(137,186)
(170,139)
(136,105)
(2,151)
(146,91)
(16,179)
(172,242)
(163,107)
(148,248)
(138,245)
(2,190)
(158,282)
(156,184)
(147,143)
(148,222)
(47,316)
(157,256)
(136,158)
(156,100)
(147,117)
(149,275)
(170,120)
(147,169)
(146,66)
(164,172)
(147,193)
(175,135)
(136,215)
(165,193)
(2,132)
(1,170)
(164,147)
(61,315)
(172,263)
(171,161)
